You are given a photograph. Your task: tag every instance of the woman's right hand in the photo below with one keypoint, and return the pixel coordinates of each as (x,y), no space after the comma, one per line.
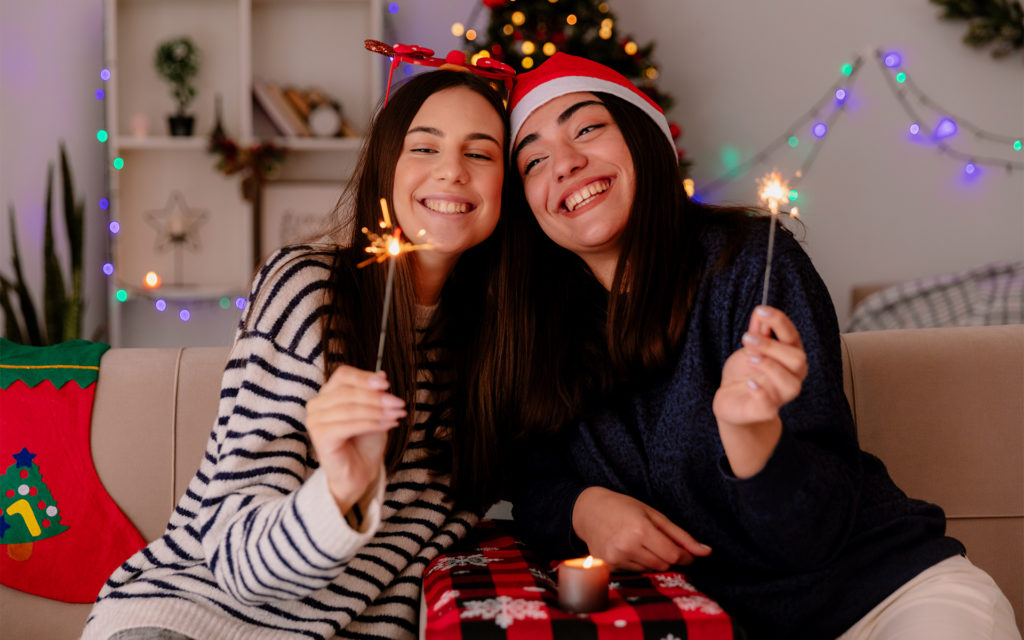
(628,534)
(348,421)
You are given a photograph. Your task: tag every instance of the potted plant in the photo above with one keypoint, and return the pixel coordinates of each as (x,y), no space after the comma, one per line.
(177,61)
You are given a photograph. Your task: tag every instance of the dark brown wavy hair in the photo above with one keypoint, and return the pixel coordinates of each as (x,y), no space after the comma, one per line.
(581,344)
(458,440)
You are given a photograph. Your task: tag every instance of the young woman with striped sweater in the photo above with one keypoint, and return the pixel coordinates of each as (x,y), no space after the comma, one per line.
(325,489)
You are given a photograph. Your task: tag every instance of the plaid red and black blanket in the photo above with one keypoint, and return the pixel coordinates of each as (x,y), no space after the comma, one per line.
(492,586)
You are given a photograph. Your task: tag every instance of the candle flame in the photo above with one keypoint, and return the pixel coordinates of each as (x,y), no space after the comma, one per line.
(589,562)
(773,191)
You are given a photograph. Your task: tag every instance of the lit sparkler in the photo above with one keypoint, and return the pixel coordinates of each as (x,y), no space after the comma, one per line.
(387,246)
(773,193)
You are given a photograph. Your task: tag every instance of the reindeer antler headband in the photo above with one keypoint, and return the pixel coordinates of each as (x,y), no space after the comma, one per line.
(484,67)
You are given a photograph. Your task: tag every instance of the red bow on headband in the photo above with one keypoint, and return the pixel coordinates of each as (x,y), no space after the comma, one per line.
(485,67)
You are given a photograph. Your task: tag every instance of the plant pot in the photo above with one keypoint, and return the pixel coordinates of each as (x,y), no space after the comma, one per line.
(180,125)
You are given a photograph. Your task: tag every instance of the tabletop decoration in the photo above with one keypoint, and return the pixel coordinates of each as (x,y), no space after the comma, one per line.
(583,584)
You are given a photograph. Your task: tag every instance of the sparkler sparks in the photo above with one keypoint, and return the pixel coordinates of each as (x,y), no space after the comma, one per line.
(388,246)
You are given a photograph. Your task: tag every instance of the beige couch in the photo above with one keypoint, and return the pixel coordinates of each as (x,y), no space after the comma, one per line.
(944,408)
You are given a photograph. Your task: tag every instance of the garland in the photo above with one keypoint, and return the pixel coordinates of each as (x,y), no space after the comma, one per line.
(996,22)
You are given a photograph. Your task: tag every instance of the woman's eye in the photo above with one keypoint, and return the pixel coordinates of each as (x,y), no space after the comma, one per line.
(530,164)
(587,129)
(421,150)
(478,156)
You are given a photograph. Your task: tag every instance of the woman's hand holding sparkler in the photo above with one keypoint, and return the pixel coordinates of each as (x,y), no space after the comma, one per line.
(348,423)
(765,373)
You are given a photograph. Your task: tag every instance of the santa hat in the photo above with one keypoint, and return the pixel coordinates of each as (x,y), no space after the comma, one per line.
(563,73)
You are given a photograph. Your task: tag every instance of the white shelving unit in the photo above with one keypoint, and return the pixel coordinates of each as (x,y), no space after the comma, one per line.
(301,43)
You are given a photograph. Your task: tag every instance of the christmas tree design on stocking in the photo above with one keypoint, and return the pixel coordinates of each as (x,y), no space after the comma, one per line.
(62,534)
(28,511)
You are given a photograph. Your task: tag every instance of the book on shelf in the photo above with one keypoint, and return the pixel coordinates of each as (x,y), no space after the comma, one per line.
(279,109)
(299,101)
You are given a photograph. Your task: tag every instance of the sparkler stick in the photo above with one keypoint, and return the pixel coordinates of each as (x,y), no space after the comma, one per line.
(387,247)
(394,250)
(773,191)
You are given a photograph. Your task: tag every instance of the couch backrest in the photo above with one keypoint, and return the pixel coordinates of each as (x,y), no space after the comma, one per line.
(944,409)
(154,408)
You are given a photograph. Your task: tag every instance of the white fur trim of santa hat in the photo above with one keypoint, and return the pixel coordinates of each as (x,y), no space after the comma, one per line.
(563,73)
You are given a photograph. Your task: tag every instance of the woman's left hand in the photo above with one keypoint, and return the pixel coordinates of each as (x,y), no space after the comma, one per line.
(765,373)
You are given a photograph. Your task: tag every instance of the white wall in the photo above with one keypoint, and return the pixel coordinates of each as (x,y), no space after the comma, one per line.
(51,54)
(876,208)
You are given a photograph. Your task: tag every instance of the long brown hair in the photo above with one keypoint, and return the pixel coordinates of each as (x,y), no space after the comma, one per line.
(598,343)
(456,442)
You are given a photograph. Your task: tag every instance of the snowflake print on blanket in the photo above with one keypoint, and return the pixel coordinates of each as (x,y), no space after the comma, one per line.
(673,581)
(541,576)
(451,562)
(697,603)
(505,610)
(446,597)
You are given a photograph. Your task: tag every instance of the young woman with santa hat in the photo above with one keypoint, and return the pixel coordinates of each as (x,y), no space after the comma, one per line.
(670,418)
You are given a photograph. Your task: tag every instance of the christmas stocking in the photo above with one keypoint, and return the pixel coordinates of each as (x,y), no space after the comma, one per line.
(61,535)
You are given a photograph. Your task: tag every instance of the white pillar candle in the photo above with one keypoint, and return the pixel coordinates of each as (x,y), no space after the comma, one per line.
(583,584)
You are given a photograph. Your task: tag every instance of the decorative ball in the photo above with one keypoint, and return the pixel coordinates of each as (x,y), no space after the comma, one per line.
(675,129)
(324,121)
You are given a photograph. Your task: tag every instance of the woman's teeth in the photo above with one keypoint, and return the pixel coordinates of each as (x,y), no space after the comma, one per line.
(586,194)
(446,206)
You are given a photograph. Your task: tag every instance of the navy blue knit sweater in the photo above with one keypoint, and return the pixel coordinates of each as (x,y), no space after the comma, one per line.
(808,545)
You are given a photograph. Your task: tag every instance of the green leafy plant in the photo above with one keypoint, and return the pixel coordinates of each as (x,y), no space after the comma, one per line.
(61,317)
(177,61)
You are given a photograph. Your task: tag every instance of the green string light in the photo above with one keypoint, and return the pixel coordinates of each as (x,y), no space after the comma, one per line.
(118,163)
(847,69)
(121,295)
(793,195)
(901,77)
(225,303)
(101,135)
(1016,145)
(793,141)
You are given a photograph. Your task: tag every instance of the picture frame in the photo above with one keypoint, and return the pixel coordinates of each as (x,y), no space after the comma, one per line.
(295,211)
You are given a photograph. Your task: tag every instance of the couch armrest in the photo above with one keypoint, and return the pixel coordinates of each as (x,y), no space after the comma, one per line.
(944,410)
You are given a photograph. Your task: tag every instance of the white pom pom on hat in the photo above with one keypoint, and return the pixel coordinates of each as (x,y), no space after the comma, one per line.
(563,73)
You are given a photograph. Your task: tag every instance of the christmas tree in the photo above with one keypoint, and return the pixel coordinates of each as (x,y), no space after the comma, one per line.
(28,511)
(524,33)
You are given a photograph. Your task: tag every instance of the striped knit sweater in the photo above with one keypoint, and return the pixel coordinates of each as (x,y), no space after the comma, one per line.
(256,547)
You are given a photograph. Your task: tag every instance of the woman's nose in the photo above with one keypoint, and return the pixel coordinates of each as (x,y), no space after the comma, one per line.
(567,161)
(451,168)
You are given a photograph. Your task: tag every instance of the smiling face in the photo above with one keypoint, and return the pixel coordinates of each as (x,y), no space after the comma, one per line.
(578,177)
(449,174)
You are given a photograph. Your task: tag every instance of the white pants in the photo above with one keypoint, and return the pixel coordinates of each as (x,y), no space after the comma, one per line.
(953,600)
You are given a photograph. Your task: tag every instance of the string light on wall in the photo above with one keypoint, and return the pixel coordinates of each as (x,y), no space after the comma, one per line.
(919,107)
(832,104)
(152,281)
(947,124)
